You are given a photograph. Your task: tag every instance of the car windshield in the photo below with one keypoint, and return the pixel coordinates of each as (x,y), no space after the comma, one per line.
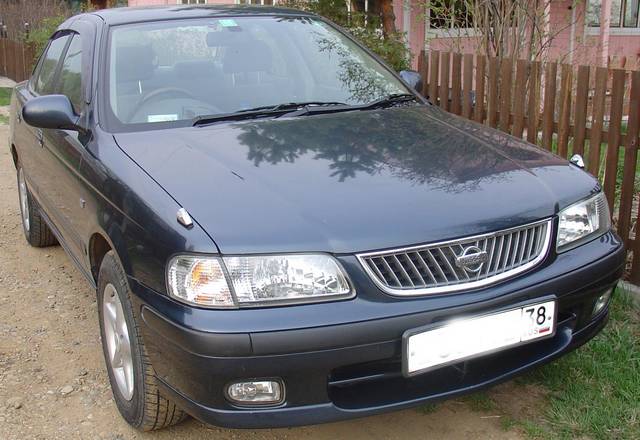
(167,72)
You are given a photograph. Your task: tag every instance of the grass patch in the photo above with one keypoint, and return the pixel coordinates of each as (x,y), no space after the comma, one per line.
(4,120)
(480,402)
(595,391)
(5,96)
(428,408)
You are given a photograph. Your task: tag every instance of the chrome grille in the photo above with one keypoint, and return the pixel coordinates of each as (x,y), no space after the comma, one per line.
(461,264)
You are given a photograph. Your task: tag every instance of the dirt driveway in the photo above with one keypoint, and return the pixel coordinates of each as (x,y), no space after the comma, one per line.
(53,382)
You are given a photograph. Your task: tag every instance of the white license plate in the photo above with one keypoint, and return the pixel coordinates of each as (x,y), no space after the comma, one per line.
(472,337)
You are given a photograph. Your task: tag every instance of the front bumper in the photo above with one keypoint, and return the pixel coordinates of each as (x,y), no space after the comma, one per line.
(351,366)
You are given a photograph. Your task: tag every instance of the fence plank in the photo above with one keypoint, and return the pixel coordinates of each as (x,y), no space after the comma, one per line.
(613,143)
(423,69)
(630,160)
(478,115)
(456,86)
(597,121)
(444,81)
(551,72)
(580,115)
(564,121)
(467,85)
(533,107)
(506,69)
(519,92)
(433,76)
(492,97)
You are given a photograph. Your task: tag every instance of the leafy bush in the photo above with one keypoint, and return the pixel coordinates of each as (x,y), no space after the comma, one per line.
(39,36)
(364,27)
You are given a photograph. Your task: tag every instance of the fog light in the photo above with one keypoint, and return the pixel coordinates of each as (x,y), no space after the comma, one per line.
(260,392)
(602,301)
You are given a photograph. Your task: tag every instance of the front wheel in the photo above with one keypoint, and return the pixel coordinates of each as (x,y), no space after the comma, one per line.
(132,378)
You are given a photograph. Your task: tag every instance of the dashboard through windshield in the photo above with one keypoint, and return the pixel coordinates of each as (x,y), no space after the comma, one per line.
(166,72)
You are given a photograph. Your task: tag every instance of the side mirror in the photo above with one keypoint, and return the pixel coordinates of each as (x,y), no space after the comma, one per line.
(51,111)
(413,78)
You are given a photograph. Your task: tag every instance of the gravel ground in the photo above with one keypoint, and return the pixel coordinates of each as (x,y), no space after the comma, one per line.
(53,383)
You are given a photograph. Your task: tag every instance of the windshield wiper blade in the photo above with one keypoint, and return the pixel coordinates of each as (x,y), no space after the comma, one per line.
(267,110)
(389,100)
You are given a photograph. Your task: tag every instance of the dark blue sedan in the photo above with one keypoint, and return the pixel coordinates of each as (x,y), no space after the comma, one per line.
(280,231)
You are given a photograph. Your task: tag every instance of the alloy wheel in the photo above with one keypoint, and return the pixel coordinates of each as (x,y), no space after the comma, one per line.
(117,340)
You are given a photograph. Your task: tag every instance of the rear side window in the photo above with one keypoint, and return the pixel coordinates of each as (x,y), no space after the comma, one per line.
(46,74)
(71,74)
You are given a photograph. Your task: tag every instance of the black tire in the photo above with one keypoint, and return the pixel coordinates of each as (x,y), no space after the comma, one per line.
(148,409)
(35,229)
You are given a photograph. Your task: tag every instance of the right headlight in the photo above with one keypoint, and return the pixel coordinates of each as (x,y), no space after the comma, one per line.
(246,281)
(582,222)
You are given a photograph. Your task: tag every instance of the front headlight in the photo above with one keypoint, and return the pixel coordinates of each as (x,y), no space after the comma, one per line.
(583,221)
(256,280)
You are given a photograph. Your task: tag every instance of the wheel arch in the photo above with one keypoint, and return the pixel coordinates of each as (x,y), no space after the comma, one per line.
(100,243)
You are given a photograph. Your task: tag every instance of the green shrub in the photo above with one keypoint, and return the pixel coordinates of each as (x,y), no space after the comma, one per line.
(39,36)
(365,28)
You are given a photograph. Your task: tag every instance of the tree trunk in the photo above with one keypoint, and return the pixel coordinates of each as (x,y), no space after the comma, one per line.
(388,17)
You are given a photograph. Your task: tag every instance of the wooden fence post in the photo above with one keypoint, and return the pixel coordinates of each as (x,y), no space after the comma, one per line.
(467,85)
(580,116)
(433,81)
(613,143)
(478,115)
(533,108)
(564,117)
(456,87)
(597,121)
(629,170)
(520,93)
(492,98)
(549,110)
(444,81)
(506,68)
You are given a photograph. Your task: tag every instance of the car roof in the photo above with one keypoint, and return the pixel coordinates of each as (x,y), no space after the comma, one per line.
(116,16)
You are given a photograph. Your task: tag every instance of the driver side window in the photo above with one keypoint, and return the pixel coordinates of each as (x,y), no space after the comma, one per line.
(70,80)
(43,83)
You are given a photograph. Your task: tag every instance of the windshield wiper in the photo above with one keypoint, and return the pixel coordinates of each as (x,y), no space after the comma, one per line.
(267,110)
(387,101)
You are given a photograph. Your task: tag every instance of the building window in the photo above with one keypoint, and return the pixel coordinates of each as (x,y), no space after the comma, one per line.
(192,2)
(624,13)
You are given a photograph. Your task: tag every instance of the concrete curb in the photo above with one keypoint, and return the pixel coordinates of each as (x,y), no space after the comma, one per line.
(632,290)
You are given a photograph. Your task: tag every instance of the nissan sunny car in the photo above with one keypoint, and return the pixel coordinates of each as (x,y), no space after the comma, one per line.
(281,231)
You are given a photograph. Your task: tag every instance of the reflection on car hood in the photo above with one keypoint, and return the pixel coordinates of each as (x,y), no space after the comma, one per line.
(354,181)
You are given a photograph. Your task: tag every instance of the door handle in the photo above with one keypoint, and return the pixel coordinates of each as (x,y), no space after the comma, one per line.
(40,137)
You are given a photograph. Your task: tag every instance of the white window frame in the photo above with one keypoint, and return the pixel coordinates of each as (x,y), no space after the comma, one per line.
(617,30)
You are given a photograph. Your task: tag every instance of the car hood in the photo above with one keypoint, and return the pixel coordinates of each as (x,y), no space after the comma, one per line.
(354,181)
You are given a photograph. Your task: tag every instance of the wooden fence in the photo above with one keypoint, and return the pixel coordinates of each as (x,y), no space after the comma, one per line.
(16,59)
(593,111)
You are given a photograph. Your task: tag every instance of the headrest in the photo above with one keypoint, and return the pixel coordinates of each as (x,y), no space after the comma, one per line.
(134,63)
(225,37)
(248,56)
(195,69)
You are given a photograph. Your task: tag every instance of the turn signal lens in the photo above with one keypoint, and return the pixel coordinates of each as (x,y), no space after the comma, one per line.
(199,281)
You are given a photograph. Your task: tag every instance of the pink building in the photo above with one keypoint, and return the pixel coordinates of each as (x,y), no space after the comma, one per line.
(597,32)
